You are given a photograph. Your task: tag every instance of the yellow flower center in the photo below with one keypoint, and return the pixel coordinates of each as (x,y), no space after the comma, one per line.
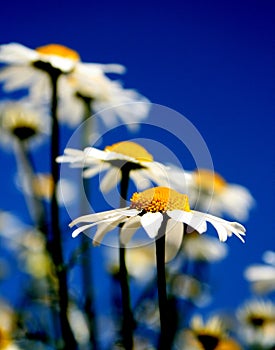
(209,181)
(159,199)
(58,50)
(131,149)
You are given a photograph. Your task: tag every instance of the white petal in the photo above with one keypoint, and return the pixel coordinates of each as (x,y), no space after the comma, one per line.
(96,217)
(193,222)
(91,152)
(104,228)
(151,223)
(110,180)
(81,229)
(129,229)
(92,171)
(173,237)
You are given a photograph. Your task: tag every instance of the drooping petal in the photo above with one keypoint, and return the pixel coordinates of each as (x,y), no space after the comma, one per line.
(92,171)
(104,228)
(151,223)
(129,229)
(96,217)
(173,238)
(81,229)
(110,180)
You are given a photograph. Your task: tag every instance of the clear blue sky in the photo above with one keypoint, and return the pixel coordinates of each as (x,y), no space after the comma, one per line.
(212,61)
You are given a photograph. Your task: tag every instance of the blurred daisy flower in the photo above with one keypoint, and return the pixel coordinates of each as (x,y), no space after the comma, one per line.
(209,191)
(140,262)
(23,121)
(262,276)
(203,248)
(257,323)
(42,187)
(147,210)
(189,288)
(78,82)
(206,335)
(143,168)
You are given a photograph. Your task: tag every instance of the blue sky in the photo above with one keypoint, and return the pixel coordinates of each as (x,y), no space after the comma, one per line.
(211,61)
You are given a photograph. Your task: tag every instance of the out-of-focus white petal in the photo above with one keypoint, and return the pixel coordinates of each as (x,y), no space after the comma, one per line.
(104,228)
(129,229)
(173,238)
(151,223)
(112,177)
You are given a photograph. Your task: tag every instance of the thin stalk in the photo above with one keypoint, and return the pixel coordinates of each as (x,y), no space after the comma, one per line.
(127,321)
(164,343)
(86,259)
(35,207)
(69,342)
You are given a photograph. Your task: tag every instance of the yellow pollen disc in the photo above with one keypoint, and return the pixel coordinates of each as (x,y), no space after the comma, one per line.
(209,181)
(131,149)
(159,199)
(58,50)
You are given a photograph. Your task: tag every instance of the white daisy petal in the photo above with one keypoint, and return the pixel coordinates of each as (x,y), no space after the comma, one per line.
(151,223)
(81,229)
(180,215)
(96,217)
(104,228)
(173,238)
(129,229)
(92,171)
(110,180)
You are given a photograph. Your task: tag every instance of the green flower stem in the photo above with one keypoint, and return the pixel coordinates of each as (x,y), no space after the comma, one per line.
(36,210)
(86,259)
(127,321)
(164,343)
(69,342)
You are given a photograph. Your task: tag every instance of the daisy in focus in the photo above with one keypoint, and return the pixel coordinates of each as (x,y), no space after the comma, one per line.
(209,191)
(78,82)
(262,276)
(113,159)
(257,320)
(149,209)
(209,335)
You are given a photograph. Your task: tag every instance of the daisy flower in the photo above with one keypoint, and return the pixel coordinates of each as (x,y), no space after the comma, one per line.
(78,82)
(147,210)
(262,276)
(203,248)
(257,319)
(23,121)
(206,335)
(112,159)
(209,191)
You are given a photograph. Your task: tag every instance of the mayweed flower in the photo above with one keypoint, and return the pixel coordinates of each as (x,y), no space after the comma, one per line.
(148,210)
(144,169)
(26,68)
(262,276)
(209,191)
(203,248)
(210,335)
(42,187)
(257,323)
(22,121)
